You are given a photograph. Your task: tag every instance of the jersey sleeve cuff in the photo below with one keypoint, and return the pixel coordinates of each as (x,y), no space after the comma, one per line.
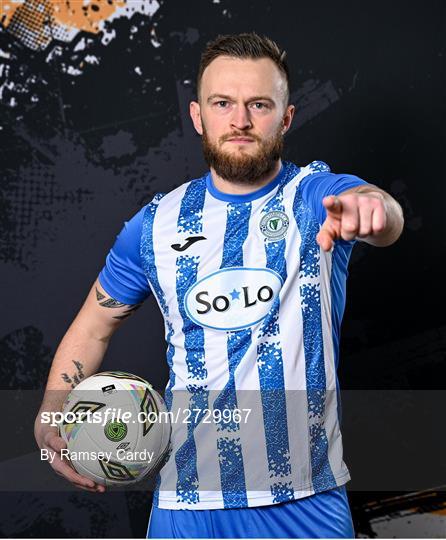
(125,297)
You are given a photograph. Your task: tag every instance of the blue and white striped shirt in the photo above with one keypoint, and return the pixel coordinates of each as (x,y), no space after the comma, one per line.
(252,309)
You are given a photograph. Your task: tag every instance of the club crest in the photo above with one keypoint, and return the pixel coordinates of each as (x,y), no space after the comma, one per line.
(274,225)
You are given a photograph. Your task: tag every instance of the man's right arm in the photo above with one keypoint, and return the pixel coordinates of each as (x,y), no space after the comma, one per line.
(79,355)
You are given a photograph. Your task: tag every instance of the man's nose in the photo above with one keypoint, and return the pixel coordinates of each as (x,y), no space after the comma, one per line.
(241,118)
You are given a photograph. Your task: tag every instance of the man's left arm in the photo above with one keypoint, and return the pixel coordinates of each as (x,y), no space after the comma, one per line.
(364,212)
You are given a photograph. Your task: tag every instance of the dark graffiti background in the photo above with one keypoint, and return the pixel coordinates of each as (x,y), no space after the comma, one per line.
(94,121)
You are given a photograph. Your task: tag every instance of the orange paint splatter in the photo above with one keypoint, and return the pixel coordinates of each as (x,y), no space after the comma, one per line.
(85,16)
(36,22)
(7,10)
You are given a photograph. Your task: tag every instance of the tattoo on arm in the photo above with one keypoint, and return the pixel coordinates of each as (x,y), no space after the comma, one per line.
(128,312)
(76,377)
(112,303)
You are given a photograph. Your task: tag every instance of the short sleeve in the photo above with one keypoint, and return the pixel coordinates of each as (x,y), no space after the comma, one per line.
(314,187)
(122,276)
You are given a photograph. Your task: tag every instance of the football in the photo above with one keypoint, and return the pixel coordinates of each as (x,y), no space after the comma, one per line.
(116,427)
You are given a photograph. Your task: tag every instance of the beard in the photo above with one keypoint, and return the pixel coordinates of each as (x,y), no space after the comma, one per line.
(240,167)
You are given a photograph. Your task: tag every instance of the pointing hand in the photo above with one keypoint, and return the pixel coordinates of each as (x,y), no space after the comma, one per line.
(351,215)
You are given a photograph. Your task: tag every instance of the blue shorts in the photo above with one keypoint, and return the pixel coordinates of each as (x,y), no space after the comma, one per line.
(324,515)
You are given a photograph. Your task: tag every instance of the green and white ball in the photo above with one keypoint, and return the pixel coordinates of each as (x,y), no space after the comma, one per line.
(120,446)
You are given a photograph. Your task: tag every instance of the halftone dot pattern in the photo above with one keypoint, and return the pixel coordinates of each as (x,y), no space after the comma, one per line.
(31,22)
(62,33)
(34,200)
(37,22)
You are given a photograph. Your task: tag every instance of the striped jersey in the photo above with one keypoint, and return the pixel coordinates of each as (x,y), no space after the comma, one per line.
(252,308)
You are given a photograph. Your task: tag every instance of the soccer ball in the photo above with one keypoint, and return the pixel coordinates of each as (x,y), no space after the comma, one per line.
(116,427)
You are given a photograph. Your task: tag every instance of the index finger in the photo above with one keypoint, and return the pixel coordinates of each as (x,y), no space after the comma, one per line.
(332,204)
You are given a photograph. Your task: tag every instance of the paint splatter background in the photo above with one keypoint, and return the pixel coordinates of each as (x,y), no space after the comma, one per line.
(94,120)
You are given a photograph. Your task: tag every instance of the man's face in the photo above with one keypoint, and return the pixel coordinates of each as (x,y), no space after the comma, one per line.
(242,116)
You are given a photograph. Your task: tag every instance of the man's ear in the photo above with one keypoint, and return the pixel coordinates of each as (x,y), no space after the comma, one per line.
(288,117)
(195,114)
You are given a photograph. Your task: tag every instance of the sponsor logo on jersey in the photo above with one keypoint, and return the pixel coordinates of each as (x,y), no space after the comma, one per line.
(274,225)
(232,298)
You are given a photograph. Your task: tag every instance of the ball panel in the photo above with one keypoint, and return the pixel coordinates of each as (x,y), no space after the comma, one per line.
(127,445)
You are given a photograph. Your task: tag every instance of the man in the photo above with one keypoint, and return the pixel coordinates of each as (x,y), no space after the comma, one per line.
(248,264)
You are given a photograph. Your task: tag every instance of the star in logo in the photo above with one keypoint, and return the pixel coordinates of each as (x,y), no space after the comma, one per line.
(235,294)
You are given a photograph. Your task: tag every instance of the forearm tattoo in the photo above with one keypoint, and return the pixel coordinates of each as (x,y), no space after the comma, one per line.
(77,376)
(112,303)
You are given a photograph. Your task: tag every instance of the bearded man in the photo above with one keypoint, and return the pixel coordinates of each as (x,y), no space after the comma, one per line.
(248,264)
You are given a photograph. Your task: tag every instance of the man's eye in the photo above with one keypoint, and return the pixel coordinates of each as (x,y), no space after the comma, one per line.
(259,105)
(222,103)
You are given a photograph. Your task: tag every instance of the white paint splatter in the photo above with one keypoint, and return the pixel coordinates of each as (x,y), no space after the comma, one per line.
(91,59)
(133,6)
(55,51)
(80,46)
(108,35)
(73,71)
(154,38)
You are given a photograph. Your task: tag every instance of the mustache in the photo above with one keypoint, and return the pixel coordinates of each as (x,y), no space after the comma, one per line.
(224,138)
